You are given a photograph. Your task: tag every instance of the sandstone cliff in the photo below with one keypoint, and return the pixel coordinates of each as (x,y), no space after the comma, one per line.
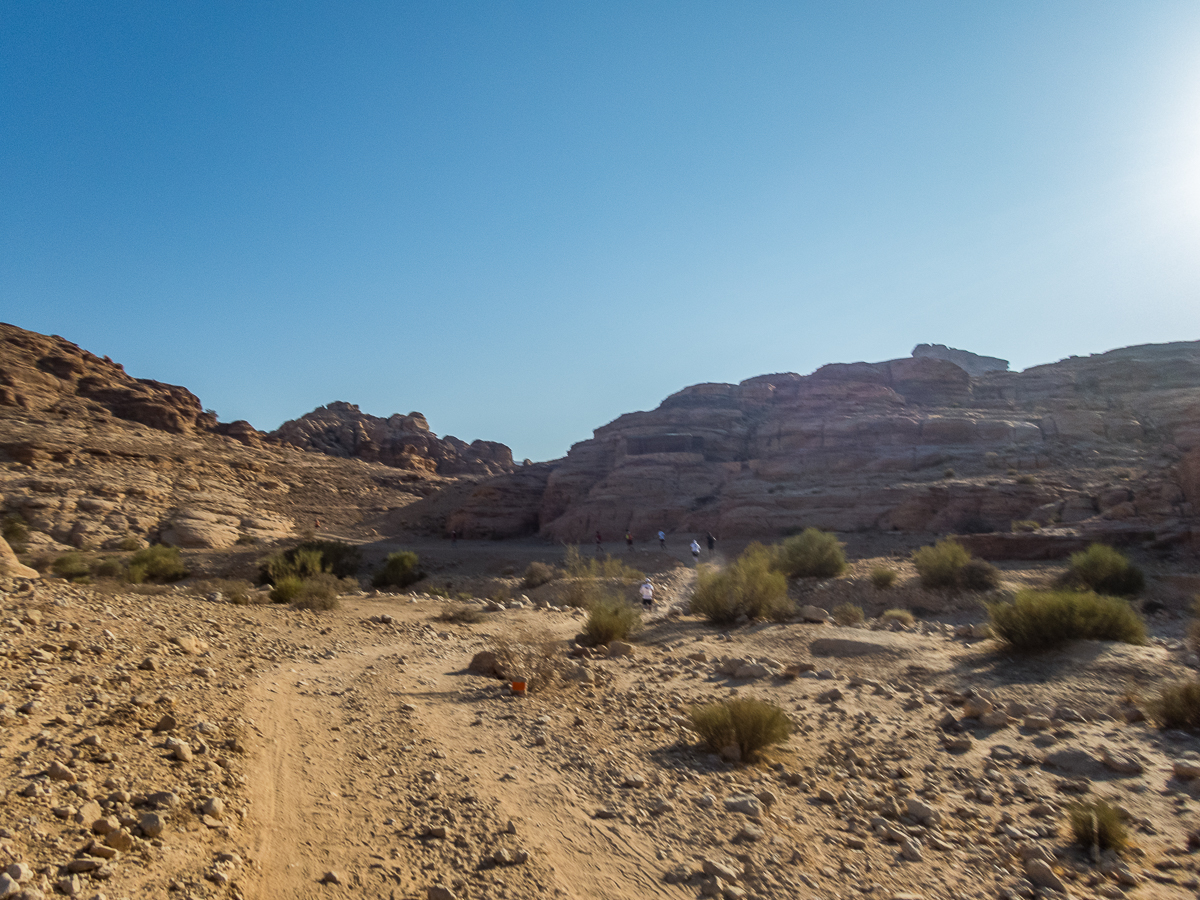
(403,442)
(1089,444)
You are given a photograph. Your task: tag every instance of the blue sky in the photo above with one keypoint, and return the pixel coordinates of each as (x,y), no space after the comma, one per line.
(524,219)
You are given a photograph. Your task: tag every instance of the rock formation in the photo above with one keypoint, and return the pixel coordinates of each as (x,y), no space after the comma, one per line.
(403,442)
(971,363)
(1094,445)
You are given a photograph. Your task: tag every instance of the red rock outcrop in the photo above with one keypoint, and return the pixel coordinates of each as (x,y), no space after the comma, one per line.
(403,442)
(913,444)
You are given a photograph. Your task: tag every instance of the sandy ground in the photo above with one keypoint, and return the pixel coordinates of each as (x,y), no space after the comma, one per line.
(354,755)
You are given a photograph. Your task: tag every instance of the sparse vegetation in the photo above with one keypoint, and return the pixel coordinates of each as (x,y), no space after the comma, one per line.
(1025,526)
(310,559)
(811,554)
(287,589)
(1098,824)
(109,567)
(399,570)
(70,566)
(461,614)
(608,566)
(611,619)
(941,565)
(883,577)
(1177,706)
(901,617)
(750,587)
(747,724)
(130,543)
(537,657)
(1038,620)
(15,530)
(1026,479)
(978,575)
(1106,571)
(848,614)
(236,591)
(539,573)
(156,563)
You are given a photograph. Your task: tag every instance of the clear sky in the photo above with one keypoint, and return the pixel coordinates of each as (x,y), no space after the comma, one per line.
(524,219)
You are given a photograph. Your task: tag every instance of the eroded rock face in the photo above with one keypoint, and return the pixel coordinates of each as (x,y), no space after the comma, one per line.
(403,442)
(920,444)
(40,373)
(971,363)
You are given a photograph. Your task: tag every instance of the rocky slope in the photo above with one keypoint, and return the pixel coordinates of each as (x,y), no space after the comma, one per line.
(91,457)
(1109,444)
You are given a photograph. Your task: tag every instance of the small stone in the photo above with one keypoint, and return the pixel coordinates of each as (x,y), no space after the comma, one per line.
(746,804)
(19,873)
(333,877)
(119,840)
(720,869)
(166,723)
(438,892)
(750,832)
(59,772)
(910,850)
(1039,872)
(213,806)
(182,752)
(151,825)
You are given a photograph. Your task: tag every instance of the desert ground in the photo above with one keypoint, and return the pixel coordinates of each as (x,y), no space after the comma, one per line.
(162,742)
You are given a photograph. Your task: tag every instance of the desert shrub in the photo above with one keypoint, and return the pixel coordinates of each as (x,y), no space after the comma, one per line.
(14,529)
(939,565)
(883,577)
(1024,526)
(608,566)
(898,617)
(745,723)
(70,566)
(948,472)
(319,593)
(611,619)
(750,587)
(580,592)
(1036,620)
(461,614)
(109,568)
(538,657)
(537,574)
(1097,823)
(129,543)
(156,563)
(848,614)
(1177,706)
(236,591)
(1105,571)
(978,575)
(287,589)
(1026,479)
(311,558)
(340,559)
(811,554)
(399,570)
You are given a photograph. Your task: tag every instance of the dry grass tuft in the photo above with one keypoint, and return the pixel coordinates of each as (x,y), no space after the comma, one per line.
(746,724)
(537,657)
(1097,825)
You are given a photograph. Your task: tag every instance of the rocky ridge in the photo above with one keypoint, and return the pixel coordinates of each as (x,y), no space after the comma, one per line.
(1106,446)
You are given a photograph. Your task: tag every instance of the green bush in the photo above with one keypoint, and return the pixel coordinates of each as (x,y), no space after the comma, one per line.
(109,568)
(319,593)
(1037,620)
(978,575)
(811,554)
(1105,571)
(70,566)
(287,589)
(577,566)
(883,577)
(745,723)
(14,529)
(1025,526)
(399,570)
(537,574)
(939,565)
(750,587)
(848,614)
(1097,823)
(156,563)
(129,542)
(1177,706)
(611,619)
(309,559)
(899,617)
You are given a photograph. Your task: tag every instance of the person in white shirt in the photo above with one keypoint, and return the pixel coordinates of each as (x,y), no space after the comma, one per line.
(696,550)
(647,590)
(662,539)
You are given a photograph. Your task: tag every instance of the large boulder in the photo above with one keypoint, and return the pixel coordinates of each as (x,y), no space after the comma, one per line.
(11,566)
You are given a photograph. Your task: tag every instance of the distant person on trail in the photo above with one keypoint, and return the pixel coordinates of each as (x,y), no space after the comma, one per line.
(712,542)
(453,537)
(696,550)
(662,539)
(599,544)
(629,540)
(647,590)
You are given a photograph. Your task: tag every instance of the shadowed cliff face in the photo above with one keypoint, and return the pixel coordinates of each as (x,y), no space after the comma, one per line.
(912,444)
